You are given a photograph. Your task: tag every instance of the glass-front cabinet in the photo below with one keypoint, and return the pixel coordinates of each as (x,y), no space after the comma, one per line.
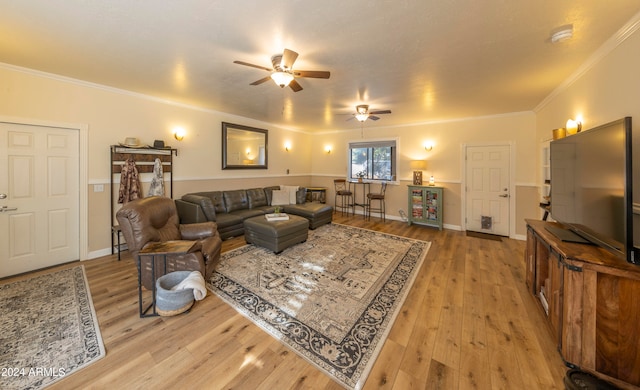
(425,206)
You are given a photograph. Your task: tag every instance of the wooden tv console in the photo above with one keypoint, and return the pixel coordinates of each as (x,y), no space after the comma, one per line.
(591,300)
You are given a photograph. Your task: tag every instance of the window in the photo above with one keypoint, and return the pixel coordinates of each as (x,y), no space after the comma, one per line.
(373,160)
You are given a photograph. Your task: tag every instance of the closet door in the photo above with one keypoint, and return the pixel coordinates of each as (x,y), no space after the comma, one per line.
(39,197)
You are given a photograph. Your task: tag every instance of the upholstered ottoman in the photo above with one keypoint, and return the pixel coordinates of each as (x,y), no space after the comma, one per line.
(276,235)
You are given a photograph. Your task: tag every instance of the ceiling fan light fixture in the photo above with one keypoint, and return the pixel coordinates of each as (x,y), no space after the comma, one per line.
(362,117)
(282,78)
(362,109)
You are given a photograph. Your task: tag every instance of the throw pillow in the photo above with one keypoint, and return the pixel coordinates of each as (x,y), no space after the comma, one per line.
(280,198)
(292,192)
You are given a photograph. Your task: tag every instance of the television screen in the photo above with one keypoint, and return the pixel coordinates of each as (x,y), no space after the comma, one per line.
(591,186)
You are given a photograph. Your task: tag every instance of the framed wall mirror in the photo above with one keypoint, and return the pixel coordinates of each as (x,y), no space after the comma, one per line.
(243,147)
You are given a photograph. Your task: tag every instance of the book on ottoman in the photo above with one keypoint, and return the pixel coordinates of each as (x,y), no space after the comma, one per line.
(277,217)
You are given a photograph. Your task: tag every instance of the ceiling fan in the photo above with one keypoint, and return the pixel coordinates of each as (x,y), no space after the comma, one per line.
(362,113)
(282,72)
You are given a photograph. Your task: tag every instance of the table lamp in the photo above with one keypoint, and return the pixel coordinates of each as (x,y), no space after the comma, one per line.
(418,166)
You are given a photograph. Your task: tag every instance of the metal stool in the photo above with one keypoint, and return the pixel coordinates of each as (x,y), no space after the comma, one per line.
(380,198)
(344,194)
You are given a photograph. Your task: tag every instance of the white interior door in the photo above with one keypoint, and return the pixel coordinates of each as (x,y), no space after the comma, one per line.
(39,197)
(488,189)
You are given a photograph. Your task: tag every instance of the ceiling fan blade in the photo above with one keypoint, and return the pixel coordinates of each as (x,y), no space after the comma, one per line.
(316,74)
(288,58)
(373,117)
(262,80)
(252,65)
(295,86)
(379,112)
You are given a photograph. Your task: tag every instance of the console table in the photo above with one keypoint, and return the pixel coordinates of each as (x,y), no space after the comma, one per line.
(591,301)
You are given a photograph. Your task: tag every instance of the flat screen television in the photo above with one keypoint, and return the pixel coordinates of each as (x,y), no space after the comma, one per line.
(592,180)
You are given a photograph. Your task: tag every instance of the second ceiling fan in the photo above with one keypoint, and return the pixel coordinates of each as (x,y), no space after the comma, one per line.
(362,113)
(282,72)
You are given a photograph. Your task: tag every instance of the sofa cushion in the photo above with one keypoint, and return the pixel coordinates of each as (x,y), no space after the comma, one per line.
(256,197)
(226,220)
(229,225)
(248,213)
(216,199)
(280,198)
(235,200)
(205,203)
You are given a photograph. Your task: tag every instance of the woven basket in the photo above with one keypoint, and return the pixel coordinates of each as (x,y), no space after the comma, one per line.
(172,302)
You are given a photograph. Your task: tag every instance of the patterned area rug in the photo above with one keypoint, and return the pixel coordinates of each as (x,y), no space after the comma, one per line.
(48,329)
(332,299)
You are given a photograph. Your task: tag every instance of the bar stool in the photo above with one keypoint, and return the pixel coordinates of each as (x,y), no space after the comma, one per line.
(379,196)
(345,195)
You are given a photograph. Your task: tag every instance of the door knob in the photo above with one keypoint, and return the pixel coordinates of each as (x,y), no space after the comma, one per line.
(504,195)
(4,209)
(3,196)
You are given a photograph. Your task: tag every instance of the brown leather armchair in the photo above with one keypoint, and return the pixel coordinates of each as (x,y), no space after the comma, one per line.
(155,219)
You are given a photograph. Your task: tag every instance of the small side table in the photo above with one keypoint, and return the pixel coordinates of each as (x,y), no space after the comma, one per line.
(321,194)
(156,251)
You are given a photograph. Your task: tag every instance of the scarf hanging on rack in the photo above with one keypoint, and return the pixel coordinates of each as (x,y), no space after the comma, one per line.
(130,188)
(157,182)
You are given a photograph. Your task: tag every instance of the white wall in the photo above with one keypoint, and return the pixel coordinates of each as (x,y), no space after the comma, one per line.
(444,162)
(606,90)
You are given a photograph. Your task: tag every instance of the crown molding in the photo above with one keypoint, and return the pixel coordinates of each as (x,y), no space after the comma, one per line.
(611,44)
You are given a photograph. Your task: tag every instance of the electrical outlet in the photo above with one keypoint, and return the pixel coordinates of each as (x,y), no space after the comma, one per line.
(98,187)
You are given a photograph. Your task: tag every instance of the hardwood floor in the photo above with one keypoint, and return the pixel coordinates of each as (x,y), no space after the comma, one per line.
(468,323)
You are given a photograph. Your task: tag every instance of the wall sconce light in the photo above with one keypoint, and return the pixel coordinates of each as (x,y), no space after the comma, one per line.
(178,133)
(428,146)
(327,149)
(287,146)
(573,126)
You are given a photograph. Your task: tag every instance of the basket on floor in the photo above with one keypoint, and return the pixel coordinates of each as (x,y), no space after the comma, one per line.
(172,302)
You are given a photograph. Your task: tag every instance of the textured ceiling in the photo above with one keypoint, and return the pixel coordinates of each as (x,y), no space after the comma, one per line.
(426,60)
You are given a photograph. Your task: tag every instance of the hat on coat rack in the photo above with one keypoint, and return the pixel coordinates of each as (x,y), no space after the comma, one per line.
(159,144)
(131,142)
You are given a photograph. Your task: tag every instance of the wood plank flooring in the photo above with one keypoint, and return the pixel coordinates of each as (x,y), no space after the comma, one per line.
(468,323)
